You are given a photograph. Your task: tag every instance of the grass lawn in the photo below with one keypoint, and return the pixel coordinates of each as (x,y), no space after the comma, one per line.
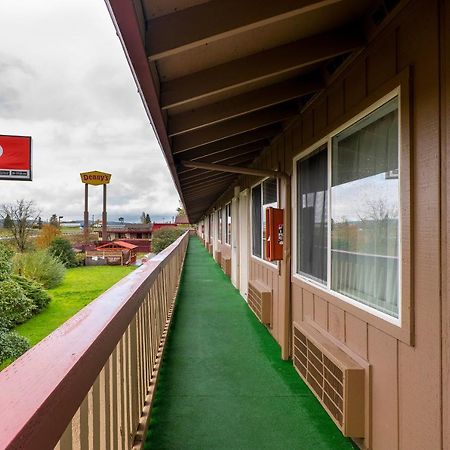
(71,230)
(80,286)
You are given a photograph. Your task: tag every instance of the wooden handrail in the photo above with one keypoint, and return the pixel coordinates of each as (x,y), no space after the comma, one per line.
(42,390)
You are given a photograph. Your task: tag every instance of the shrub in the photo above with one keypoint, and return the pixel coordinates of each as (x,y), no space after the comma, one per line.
(34,291)
(47,234)
(80,257)
(39,266)
(62,249)
(12,345)
(163,237)
(5,262)
(15,306)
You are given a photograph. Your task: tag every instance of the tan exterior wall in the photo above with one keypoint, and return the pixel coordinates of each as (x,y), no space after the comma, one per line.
(409,388)
(226,250)
(445,149)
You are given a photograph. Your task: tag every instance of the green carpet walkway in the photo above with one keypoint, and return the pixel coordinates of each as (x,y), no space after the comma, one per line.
(223,384)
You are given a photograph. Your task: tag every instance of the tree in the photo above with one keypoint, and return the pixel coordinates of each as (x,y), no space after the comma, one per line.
(47,235)
(54,220)
(121,220)
(163,237)
(61,249)
(145,217)
(7,222)
(181,211)
(39,223)
(23,216)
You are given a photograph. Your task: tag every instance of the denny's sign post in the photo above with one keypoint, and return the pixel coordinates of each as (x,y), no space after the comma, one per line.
(95,178)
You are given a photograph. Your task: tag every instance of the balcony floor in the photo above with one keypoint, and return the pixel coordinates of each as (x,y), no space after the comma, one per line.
(223,384)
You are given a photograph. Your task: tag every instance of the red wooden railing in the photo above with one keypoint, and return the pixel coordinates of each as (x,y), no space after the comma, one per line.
(90,383)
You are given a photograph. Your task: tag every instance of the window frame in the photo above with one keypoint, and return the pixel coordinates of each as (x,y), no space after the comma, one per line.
(227,210)
(219,225)
(271,264)
(211,228)
(399,327)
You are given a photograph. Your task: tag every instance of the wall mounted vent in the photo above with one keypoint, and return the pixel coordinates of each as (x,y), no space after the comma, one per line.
(226,265)
(333,376)
(259,300)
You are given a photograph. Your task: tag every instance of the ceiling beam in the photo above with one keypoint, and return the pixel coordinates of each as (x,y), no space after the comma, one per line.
(203,180)
(209,189)
(217,157)
(236,151)
(217,19)
(259,66)
(200,175)
(231,142)
(233,153)
(206,187)
(244,104)
(232,160)
(235,169)
(237,125)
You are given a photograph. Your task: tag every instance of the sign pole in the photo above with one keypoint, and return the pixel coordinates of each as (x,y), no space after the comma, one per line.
(86,214)
(104,218)
(95,178)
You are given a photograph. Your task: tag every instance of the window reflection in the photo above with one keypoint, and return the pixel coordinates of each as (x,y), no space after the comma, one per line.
(364,210)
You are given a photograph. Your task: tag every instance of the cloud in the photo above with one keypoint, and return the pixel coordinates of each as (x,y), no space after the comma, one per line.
(65,81)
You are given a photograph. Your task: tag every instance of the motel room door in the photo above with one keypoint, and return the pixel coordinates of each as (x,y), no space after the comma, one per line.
(243,242)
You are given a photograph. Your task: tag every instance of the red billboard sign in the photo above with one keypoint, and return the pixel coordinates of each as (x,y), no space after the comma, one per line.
(15,158)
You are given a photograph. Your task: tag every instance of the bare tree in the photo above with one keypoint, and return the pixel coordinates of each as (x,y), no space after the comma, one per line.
(23,216)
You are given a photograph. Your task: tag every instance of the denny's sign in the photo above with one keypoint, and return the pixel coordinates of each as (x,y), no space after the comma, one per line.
(95,178)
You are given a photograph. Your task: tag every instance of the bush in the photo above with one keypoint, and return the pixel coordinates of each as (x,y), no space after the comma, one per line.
(80,258)
(15,306)
(12,345)
(5,262)
(62,249)
(34,291)
(163,237)
(39,266)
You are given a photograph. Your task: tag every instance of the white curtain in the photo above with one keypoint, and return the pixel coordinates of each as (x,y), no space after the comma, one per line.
(364,210)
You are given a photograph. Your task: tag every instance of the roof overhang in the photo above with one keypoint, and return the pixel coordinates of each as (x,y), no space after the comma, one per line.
(220,79)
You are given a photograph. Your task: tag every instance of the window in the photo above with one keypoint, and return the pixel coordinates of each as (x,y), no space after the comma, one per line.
(354,249)
(219,225)
(264,195)
(210,227)
(312,215)
(228,223)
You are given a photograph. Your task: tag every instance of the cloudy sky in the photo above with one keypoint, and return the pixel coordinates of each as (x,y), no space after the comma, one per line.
(64,80)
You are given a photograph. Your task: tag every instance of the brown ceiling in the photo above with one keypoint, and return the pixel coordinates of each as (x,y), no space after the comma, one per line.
(228,75)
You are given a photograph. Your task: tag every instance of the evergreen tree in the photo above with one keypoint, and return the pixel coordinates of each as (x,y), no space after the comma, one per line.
(54,220)
(7,222)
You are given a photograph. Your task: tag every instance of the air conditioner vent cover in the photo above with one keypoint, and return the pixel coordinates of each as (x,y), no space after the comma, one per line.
(333,376)
(259,300)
